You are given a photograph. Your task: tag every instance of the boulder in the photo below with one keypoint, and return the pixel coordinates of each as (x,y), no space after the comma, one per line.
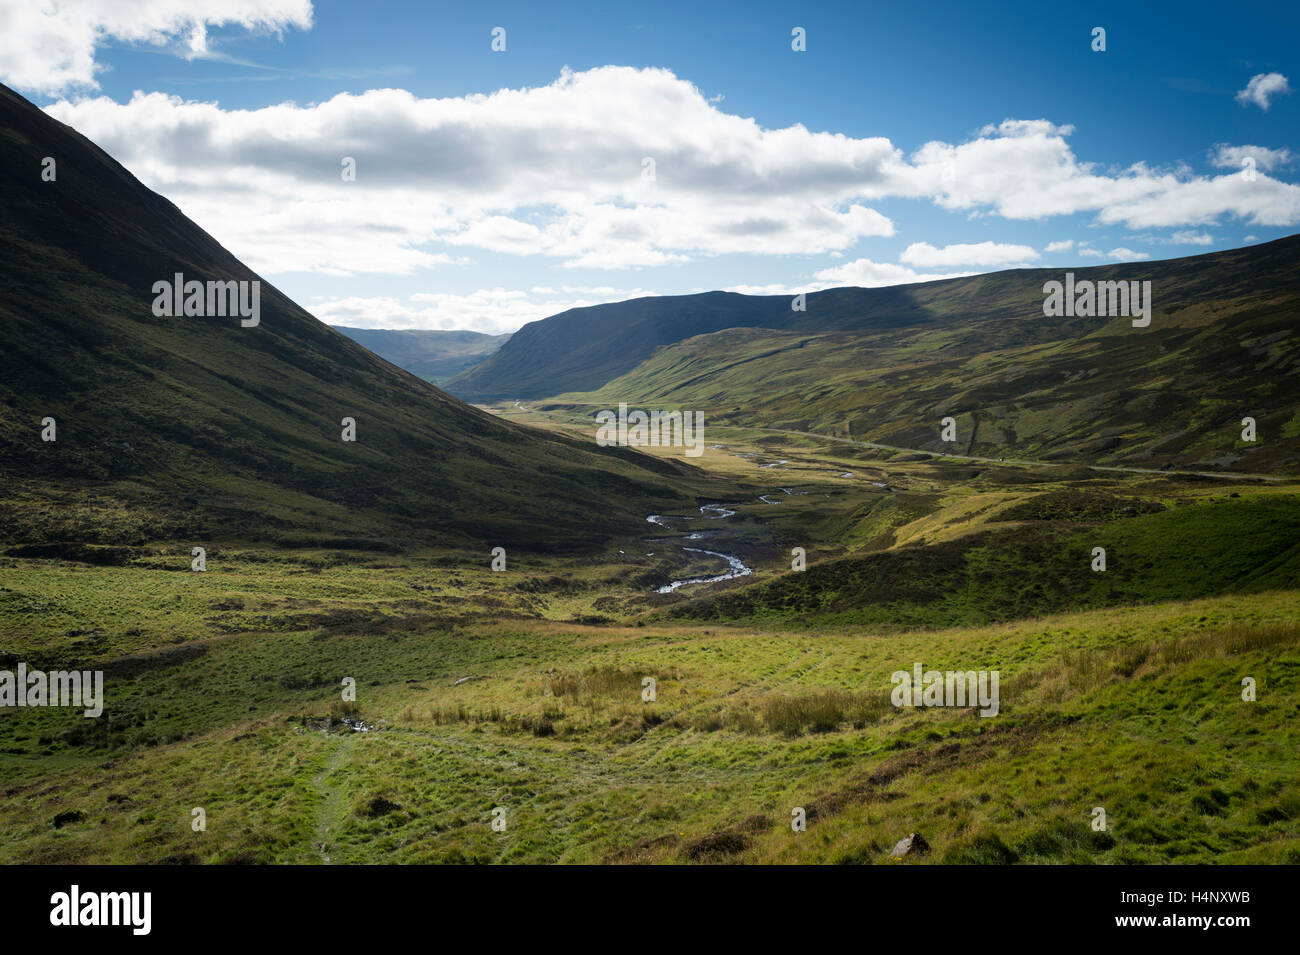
(912,845)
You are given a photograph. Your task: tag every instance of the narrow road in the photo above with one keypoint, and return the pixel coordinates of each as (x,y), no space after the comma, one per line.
(1221,475)
(1026,462)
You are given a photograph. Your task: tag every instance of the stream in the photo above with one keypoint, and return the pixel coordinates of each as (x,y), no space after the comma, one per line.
(709,512)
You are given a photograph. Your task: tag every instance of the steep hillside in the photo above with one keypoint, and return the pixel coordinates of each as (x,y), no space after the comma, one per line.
(199,428)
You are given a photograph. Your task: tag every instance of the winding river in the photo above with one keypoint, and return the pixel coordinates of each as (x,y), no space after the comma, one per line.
(735,566)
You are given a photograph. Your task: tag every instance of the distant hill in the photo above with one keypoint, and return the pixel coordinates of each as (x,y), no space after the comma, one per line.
(584,348)
(198,429)
(433,355)
(1223,344)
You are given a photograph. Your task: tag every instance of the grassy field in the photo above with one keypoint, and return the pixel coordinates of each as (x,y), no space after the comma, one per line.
(351,680)
(522,689)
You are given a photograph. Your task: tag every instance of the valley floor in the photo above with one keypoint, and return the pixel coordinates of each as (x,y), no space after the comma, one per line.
(520,695)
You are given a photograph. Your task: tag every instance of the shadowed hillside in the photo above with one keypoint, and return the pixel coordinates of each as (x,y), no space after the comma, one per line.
(198,428)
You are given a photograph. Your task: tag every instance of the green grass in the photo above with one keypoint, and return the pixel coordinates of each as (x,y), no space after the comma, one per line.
(1137,710)
(365,566)
(522,689)
(1019,385)
(1214,546)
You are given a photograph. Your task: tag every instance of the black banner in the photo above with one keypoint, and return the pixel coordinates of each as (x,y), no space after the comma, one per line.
(326,903)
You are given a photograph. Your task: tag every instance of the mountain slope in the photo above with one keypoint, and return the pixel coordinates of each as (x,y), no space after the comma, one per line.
(583,349)
(432,354)
(195,428)
(1222,345)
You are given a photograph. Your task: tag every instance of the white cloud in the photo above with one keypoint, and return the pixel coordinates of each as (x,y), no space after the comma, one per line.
(553,171)
(869,274)
(1203,202)
(1182,237)
(556,171)
(49,47)
(1120,254)
(773,289)
(980,253)
(1261,87)
(492,311)
(1234,157)
(199,40)
(1026,170)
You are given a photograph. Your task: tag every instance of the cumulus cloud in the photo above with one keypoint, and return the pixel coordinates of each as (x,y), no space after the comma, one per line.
(561,171)
(48,46)
(1121,254)
(1205,201)
(980,253)
(1234,157)
(1025,169)
(555,170)
(1065,245)
(1181,237)
(492,311)
(773,289)
(1261,88)
(869,274)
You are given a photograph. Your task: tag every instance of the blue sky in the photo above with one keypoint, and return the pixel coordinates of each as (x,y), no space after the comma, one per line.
(485,215)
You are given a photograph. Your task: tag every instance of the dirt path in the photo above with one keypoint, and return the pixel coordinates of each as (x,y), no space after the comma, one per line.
(333,805)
